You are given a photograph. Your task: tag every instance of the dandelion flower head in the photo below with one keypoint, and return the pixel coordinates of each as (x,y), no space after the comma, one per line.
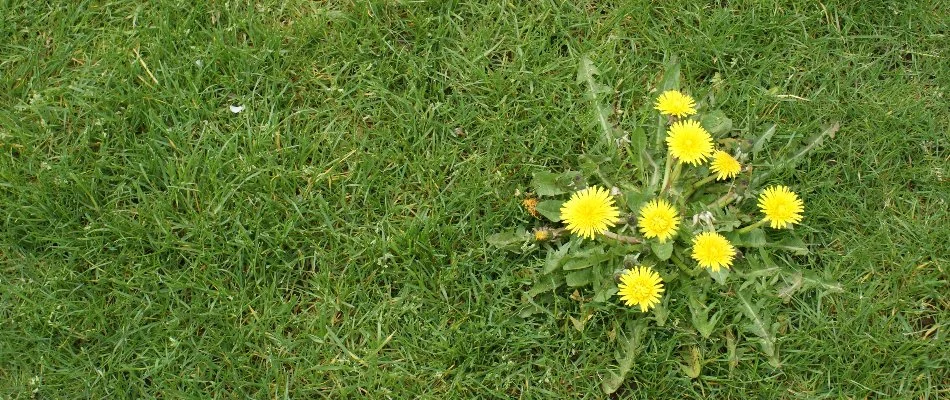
(724,165)
(713,251)
(689,142)
(675,103)
(781,206)
(531,205)
(590,211)
(658,219)
(640,286)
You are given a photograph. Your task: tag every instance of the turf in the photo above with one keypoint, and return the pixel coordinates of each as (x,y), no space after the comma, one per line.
(329,240)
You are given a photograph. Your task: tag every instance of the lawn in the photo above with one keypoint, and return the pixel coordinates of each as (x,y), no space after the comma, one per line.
(329,240)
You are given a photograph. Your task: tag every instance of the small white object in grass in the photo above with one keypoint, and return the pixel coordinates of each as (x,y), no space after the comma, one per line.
(199,63)
(236,109)
(704,217)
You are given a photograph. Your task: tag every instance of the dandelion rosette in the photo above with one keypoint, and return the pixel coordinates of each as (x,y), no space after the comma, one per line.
(656,239)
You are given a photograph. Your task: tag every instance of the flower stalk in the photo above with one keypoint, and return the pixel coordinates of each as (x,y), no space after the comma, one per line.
(723,201)
(666,172)
(753,226)
(622,238)
(697,185)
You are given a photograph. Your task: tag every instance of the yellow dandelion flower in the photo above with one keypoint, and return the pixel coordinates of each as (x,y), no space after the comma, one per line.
(640,286)
(658,219)
(590,211)
(713,251)
(531,206)
(689,142)
(781,206)
(541,234)
(724,165)
(675,103)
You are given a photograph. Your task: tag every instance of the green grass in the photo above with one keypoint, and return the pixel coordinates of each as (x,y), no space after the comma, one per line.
(329,241)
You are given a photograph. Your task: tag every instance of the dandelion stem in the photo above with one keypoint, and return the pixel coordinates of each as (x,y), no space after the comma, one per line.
(723,201)
(654,179)
(753,226)
(676,173)
(666,172)
(698,185)
(705,180)
(622,238)
(673,177)
(682,266)
(661,123)
(644,156)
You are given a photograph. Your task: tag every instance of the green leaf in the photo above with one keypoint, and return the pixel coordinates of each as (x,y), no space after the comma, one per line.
(727,222)
(757,268)
(550,209)
(571,181)
(763,139)
(579,278)
(814,142)
(550,184)
(637,148)
(595,164)
(759,325)
(661,312)
(604,293)
(793,244)
(716,122)
(720,276)
(671,76)
(555,259)
(694,363)
(586,70)
(545,284)
(635,198)
(700,315)
(791,162)
(579,323)
(529,308)
(545,184)
(612,383)
(663,251)
(731,351)
(509,240)
(585,259)
(638,142)
(632,345)
(794,283)
(765,257)
(801,280)
(812,280)
(755,238)
(691,271)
